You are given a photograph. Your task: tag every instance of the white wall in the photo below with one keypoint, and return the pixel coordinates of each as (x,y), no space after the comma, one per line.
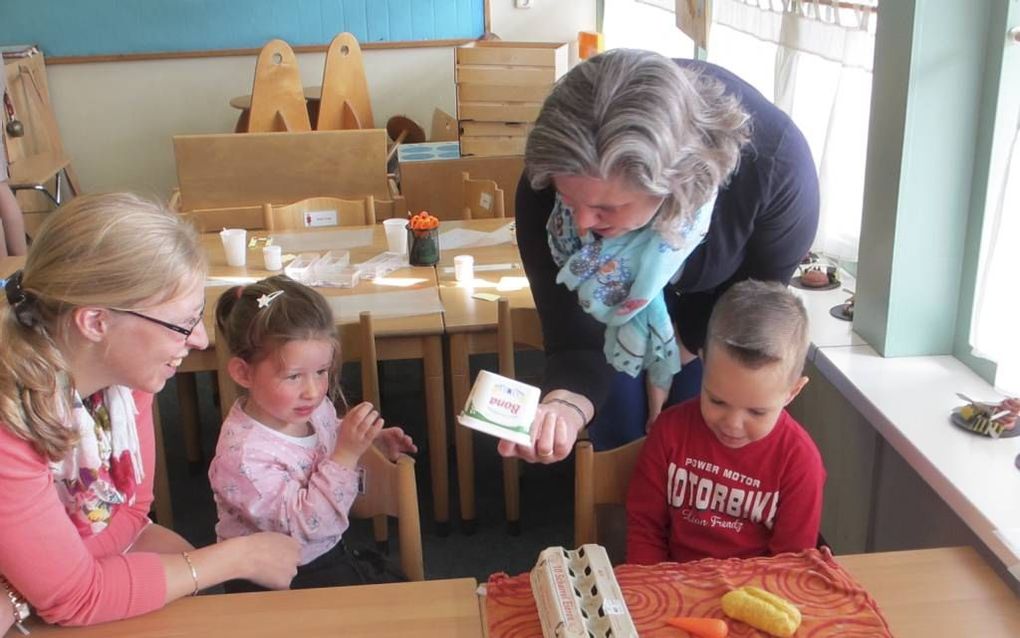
(117,118)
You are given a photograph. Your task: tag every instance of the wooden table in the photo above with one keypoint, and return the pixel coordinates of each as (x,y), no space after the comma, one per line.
(937,592)
(436,608)
(471,329)
(926,593)
(398,337)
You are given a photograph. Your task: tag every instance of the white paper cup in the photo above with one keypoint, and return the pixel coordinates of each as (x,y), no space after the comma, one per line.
(396,235)
(235,245)
(273,257)
(464,268)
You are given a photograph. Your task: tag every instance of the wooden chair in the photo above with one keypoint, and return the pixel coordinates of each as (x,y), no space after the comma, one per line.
(444,127)
(516,326)
(161,504)
(600,478)
(390,489)
(34,173)
(345,102)
(358,212)
(482,198)
(277,96)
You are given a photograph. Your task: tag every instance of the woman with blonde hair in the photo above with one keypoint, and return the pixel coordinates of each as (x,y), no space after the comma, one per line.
(650,187)
(108,305)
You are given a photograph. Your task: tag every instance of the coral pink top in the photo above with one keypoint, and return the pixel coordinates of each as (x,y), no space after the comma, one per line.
(67,577)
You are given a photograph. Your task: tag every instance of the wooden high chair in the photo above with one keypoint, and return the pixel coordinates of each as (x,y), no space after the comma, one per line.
(600,478)
(482,198)
(277,96)
(357,212)
(390,488)
(345,102)
(516,326)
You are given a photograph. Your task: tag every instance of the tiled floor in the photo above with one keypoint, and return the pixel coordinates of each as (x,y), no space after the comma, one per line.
(546,491)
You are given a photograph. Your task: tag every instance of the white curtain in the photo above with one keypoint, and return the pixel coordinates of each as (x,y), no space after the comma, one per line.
(993,330)
(637,24)
(814,61)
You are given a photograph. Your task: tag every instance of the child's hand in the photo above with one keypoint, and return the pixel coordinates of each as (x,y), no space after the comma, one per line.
(656,399)
(359,428)
(270,559)
(393,442)
(1012,405)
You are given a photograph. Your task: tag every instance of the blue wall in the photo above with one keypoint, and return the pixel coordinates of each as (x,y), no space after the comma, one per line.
(111,27)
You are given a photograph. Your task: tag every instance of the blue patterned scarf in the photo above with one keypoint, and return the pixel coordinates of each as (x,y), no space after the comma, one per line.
(619,281)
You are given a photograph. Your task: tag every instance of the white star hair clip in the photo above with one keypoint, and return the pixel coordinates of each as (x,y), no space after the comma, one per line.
(265,300)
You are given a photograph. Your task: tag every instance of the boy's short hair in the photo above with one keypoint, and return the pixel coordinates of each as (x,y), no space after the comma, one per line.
(760,323)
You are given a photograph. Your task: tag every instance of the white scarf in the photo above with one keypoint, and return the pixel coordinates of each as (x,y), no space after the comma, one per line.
(88,496)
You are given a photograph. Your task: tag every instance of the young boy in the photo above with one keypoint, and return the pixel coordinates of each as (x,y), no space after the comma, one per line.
(731,474)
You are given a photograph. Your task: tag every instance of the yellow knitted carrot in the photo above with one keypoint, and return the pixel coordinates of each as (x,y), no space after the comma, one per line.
(762,610)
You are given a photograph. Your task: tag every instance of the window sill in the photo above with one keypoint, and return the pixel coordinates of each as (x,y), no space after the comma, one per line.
(908,401)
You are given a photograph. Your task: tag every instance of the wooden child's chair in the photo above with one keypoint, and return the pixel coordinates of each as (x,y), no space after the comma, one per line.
(516,326)
(357,212)
(390,489)
(482,198)
(345,103)
(277,97)
(600,478)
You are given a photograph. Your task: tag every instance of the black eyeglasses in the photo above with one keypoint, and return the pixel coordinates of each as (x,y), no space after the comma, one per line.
(169,326)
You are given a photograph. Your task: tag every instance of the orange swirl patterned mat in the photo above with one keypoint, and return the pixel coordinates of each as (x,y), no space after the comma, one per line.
(831,602)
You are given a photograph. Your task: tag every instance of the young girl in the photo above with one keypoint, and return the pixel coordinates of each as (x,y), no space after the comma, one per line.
(285,462)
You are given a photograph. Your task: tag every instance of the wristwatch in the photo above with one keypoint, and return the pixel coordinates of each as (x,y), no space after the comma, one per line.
(20,605)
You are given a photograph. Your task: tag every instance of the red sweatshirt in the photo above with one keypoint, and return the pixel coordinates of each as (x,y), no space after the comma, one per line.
(68,579)
(692,497)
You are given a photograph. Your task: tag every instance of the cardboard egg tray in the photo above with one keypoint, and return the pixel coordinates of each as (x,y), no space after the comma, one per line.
(577,595)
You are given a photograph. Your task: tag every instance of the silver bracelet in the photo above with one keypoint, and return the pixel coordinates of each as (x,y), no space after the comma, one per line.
(572,405)
(194,574)
(21,609)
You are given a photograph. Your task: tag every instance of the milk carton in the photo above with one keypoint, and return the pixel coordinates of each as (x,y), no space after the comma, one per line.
(501,407)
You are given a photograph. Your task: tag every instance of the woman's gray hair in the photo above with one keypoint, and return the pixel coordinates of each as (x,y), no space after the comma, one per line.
(669,131)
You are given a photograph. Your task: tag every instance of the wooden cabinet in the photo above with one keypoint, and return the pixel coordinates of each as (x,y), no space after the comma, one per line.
(500,90)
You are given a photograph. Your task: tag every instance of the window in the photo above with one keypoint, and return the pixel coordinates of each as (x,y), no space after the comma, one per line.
(993,333)
(814,61)
(812,58)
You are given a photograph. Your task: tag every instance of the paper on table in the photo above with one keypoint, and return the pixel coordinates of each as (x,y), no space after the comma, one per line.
(342,238)
(465,238)
(402,303)
(485,267)
(214,282)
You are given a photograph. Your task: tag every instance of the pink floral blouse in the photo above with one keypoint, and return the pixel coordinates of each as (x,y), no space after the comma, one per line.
(265,481)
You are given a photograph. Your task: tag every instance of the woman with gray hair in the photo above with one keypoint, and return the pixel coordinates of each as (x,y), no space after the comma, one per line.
(651,186)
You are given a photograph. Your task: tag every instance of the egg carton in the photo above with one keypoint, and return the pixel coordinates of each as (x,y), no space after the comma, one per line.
(577,595)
